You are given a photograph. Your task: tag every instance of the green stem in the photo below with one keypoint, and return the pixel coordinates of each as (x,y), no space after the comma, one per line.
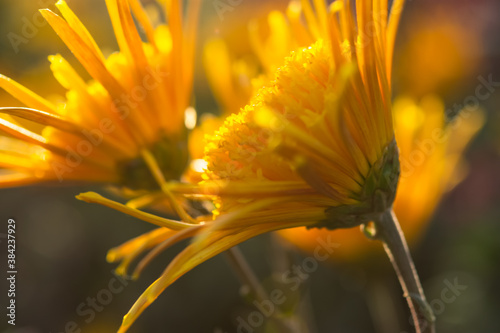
(389,231)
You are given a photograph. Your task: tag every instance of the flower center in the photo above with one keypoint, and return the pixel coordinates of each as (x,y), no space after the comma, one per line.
(172,157)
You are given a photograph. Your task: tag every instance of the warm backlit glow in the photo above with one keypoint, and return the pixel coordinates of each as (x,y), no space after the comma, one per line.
(190,118)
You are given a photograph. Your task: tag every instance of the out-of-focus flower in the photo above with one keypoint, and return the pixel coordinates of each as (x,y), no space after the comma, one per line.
(235,79)
(229,78)
(110,128)
(315,147)
(438,52)
(431,156)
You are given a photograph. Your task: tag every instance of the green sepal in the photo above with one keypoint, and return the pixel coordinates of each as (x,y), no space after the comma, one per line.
(377,195)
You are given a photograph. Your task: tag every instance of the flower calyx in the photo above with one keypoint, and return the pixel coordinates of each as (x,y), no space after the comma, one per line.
(376,197)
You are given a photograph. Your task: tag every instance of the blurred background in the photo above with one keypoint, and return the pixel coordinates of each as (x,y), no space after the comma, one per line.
(442,49)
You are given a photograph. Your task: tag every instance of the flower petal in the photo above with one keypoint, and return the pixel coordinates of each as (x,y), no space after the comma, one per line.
(191,257)
(92,197)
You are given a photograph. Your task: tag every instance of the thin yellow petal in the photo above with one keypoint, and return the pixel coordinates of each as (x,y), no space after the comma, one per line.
(193,11)
(129,251)
(174,239)
(311,19)
(85,53)
(43,118)
(217,64)
(92,197)
(300,33)
(75,23)
(322,15)
(28,136)
(132,37)
(15,179)
(190,258)
(9,160)
(112,6)
(25,95)
(96,68)
(392,28)
(69,79)
(144,20)
(226,220)
(145,200)
(174,14)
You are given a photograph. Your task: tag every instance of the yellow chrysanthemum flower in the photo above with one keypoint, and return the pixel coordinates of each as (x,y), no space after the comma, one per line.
(234,80)
(307,133)
(128,119)
(315,147)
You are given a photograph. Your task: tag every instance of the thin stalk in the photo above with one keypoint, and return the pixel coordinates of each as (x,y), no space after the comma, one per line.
(245,273)
(389,231)
(248,278)
(155,169)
